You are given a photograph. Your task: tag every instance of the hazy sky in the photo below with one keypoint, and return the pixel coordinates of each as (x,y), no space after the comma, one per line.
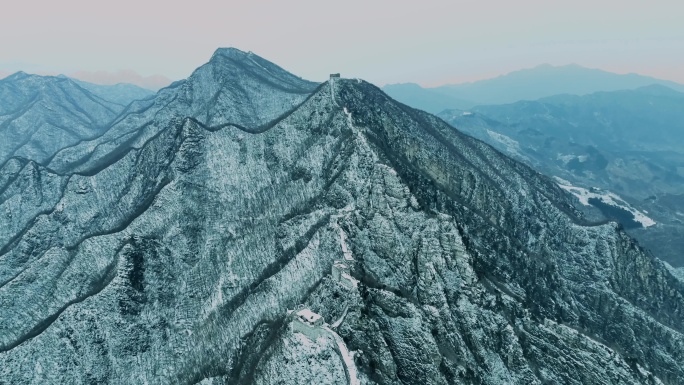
(383,41)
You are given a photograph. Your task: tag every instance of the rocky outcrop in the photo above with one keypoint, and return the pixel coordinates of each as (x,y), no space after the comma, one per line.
(173,257)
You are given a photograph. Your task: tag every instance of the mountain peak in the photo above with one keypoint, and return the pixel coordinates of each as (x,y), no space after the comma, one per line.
(231,65)
(233,60)
(33,82)
(18,75)
(551,66)
(21,75)
(231,52)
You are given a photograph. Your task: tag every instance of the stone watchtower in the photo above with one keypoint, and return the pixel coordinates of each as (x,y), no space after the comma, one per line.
(308,323)
(340,274)
(338,269)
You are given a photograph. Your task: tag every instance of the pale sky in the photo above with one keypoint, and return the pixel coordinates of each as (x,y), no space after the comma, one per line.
(383,41)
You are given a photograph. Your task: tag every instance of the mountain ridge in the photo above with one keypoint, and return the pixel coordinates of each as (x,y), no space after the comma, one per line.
(120,93)
(527,84)
(40,115)
(177,261)
(228,78)
(106,78)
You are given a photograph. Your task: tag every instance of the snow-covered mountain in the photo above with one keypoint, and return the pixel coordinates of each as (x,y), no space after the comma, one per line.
(235,88)
(170,249)
(40,115)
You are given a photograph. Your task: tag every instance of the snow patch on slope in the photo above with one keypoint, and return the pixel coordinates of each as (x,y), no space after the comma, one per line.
(511,145)
(607,197)
(567,158)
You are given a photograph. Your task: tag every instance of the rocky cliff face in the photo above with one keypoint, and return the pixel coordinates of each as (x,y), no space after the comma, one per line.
(171,251)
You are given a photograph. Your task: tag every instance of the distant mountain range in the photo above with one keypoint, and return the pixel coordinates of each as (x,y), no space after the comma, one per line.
(154,82)
(120,93)
(627,142)
(107,78)
(527,84)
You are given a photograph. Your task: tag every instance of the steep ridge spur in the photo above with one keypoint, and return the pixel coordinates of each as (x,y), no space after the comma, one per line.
(40,115)
(175,260)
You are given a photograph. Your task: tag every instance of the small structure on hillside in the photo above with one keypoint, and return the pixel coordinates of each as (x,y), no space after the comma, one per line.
(340,274)
(348,259)
(308,323)
(347,254)
(335,76)
(338,269)
(348,281)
